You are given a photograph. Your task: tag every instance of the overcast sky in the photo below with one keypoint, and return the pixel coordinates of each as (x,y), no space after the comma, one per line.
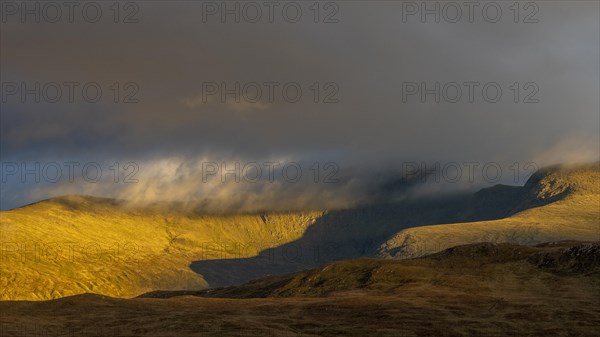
(369,120)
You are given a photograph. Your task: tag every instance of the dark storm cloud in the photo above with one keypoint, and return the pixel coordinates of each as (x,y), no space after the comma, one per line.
(368,54)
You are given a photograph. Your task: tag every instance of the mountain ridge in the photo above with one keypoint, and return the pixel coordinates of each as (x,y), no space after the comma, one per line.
(145,249)
(558,203)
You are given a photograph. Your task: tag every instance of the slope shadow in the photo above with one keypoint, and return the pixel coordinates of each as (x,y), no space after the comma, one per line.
(358,232)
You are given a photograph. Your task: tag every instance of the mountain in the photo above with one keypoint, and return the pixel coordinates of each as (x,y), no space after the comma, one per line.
(556,203)
(72,245)
(77,244)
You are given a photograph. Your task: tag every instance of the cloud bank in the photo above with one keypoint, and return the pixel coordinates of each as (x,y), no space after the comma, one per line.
(190,91)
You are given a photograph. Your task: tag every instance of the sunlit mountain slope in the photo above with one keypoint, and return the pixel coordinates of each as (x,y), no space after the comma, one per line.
(572,212)
(72,245)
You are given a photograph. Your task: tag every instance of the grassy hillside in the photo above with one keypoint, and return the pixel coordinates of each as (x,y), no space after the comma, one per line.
(477,290)
(493,262)
(570,211)
(72,245)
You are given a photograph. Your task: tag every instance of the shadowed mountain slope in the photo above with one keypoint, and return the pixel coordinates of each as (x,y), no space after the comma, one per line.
(394,230)
(387,277)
